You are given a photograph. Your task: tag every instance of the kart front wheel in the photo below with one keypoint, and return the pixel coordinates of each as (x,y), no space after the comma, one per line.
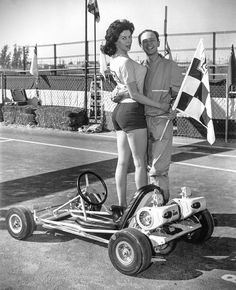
(204,233)
(130,251)
(20,222)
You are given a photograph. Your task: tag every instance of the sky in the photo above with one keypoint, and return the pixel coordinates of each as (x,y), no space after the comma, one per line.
(27,22)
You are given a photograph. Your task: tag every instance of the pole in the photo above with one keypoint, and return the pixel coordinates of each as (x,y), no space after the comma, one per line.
(227,92)
(3,87)
(165,29)
(95,71)
(55,58)
(165,45)
(214,54)
(86,59)
(24,59)
(37,77)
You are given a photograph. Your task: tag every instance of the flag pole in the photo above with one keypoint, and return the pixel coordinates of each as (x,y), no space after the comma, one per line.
(165,41)
(95,70)
(86,59)
(37,77)
(165,29)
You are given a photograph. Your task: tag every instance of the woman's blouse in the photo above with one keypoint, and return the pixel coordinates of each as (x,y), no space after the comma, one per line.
(125,71)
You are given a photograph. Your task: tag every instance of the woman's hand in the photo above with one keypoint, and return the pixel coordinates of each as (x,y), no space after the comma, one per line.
(119,94)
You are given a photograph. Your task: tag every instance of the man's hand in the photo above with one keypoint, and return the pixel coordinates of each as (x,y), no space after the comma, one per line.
(172,114)
(119,94)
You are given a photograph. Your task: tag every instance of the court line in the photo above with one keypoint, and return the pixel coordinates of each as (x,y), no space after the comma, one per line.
(176,142)
(205,167)
(63,146)
(112,153)
(204,146)
(7,140)
(205,154)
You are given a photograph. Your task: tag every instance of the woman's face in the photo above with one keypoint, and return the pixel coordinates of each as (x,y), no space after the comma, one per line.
(124,42)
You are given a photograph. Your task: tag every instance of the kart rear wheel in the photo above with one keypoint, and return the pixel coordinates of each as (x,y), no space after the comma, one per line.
(165,249)
(130,251)
(204,233)
(92,188)
(20,222)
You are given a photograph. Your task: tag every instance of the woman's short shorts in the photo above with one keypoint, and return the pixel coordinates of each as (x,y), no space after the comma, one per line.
(128,117)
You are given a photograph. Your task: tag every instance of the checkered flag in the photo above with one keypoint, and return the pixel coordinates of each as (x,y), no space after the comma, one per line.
(194,95)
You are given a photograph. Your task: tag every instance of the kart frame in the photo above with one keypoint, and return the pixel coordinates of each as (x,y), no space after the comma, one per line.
(146,228)
(65,220)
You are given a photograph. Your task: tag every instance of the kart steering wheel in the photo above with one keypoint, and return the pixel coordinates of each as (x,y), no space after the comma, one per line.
(92,188)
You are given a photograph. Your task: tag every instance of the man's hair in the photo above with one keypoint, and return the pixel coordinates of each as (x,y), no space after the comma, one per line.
(112,34)
(147,30)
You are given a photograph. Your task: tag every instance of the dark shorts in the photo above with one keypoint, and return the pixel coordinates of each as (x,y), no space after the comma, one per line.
(128,117)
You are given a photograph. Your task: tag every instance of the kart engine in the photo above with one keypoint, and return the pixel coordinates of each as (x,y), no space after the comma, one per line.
(150,218)
(189,206)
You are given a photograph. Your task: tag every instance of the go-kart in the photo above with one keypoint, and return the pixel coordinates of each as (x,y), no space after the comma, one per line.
(147,228)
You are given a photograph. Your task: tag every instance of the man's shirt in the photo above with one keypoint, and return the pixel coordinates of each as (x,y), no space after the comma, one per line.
(162,75)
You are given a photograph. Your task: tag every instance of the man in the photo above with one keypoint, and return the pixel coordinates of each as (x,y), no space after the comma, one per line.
(162,83)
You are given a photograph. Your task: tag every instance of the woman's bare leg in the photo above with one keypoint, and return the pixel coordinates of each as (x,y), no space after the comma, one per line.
(124,154)
(138,144)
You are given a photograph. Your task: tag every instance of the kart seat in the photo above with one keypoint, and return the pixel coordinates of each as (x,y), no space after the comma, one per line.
(119,218)
(134,203)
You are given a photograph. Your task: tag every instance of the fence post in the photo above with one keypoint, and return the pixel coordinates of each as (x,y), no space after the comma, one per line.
(214,54)
(55,59)
(3,87)
(227,109)
(24,59)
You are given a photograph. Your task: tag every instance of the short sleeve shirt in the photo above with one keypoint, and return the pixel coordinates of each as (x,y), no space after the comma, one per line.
(125,71)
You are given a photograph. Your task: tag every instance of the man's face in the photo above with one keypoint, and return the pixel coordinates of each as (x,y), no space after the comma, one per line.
(149,43)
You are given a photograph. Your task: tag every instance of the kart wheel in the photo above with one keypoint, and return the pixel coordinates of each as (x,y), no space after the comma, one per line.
(91,184)
(130,251)
(20,222)
(165,249)
(205,232)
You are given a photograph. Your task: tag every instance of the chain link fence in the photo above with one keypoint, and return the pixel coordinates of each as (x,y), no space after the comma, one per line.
(69,91)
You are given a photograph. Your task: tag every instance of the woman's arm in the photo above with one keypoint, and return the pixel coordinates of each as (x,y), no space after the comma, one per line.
(140,98)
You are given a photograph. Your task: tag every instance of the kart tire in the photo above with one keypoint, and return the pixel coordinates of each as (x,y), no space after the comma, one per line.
(20,222)
(166,249)
(130,251)
(204,233)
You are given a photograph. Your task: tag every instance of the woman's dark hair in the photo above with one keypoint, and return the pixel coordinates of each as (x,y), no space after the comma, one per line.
(147,30)
(112,34)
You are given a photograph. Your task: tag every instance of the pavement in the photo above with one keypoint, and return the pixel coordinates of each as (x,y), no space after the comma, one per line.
(40,166)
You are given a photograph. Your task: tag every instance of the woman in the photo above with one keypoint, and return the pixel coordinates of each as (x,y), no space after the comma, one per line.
(128,117)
